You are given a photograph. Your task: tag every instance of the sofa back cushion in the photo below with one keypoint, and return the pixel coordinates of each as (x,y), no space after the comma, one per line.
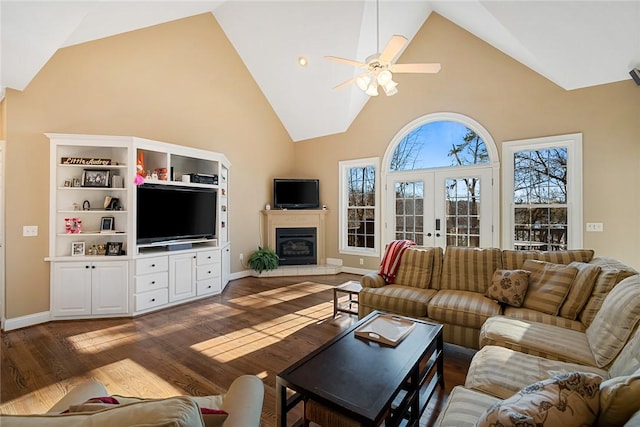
(416,266)
(549,285)
(513,260)
(619,399)
(469,269)
(611,273)
(581,289)
(615,321)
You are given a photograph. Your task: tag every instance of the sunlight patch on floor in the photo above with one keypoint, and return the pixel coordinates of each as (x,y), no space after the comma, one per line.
(103,339)
(256,337)
(278,295)
(117,378)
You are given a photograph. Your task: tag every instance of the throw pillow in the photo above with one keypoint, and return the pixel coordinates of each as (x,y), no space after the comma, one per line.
(619,399)
(614,322)
(569,399)
(581,289)
(548,285)
(509,286)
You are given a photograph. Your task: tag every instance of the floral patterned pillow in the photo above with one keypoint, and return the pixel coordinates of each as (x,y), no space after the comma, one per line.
(509,286)
(569,399)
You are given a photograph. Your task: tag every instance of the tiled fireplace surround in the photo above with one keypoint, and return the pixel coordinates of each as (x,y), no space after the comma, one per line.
(307,218)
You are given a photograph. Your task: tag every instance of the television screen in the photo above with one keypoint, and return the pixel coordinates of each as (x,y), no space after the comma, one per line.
(296,193)
(168,213)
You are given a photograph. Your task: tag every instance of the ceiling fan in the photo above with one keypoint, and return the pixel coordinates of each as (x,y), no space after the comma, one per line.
(379,68)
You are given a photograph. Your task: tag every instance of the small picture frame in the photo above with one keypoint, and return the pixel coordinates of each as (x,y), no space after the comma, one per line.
(114,248)
(67,183)
(77,248)
(76,182)
(106,224)
(95,178)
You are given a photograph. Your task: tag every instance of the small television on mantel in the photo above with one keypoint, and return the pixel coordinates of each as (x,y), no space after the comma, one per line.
(296,193)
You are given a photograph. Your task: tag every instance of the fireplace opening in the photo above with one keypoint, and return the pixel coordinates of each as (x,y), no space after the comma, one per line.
(296,246)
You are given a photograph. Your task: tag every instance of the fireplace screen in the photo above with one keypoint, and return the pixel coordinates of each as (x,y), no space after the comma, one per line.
(296,246)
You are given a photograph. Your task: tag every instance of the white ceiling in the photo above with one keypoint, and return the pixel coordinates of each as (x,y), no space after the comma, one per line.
(575,44)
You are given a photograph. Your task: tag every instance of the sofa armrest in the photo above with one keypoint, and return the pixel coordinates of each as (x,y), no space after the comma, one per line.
(372,280)
(243,402)
(80,393)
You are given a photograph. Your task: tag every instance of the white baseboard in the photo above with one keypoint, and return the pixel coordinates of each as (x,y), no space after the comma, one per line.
(354,270)
(24,321)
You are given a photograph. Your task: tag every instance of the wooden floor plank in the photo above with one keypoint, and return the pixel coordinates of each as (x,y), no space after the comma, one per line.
(257,326)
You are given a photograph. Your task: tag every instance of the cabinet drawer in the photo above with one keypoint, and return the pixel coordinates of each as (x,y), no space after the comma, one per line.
(208,271)
(209,286)
(152,299)
(149,282)
(152,265)
(208,257)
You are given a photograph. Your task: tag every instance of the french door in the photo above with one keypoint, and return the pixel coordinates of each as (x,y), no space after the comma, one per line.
(449,207)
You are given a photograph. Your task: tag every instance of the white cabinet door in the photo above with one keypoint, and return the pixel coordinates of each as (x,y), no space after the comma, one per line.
(71,290)
(182,276)
(109,287)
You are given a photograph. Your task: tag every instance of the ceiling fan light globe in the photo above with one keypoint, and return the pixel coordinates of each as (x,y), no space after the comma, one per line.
(372,90)
(363,82)
(385,77)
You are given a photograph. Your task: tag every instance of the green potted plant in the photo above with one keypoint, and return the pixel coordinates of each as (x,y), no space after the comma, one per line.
(264,259)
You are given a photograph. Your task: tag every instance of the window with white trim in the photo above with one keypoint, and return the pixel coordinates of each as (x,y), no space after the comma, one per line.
(542,191)
(359,213)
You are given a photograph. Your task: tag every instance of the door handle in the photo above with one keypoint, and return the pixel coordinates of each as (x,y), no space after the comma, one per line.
(438,224)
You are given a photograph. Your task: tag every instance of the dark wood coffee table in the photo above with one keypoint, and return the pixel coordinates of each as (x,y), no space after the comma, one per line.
(366,381)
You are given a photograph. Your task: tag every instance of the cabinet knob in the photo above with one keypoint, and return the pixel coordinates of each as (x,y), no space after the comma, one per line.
(209,286)
(93,266)
(153,300)
(86,266)
(153,282)
(153,265)
(194,257)
(209,272)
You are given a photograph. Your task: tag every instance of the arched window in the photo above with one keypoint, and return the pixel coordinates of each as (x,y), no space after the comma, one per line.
(441,174)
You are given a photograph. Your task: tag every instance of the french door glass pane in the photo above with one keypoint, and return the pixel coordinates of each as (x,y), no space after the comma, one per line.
(410,211)
(462,210)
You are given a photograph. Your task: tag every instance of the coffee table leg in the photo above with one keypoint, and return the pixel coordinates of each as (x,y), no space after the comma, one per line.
(440,349)
(281,404)
(335,302)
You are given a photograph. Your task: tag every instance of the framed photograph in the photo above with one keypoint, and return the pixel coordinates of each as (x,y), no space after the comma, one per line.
(76,182)
(67,183)
(77,249)
(114,248)
(106,223)
(95,178)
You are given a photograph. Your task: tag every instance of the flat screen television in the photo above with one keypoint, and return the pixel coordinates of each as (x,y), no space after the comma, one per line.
(296,193)
(167,213)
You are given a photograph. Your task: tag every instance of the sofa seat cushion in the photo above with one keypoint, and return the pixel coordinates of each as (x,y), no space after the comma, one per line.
(464,407)
(399,299)
(536,316)
(179,411)
(462,308)
(538,339)
(501,372)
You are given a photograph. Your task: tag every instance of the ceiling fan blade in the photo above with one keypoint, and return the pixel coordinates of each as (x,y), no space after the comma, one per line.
(415,68)
(347,61)
(345,84)
(392,48)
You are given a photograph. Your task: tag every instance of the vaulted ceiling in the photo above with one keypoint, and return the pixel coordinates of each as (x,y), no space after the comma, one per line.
(575,44)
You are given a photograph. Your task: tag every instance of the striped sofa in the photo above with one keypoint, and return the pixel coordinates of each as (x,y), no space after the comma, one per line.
(517,355)
(449,288)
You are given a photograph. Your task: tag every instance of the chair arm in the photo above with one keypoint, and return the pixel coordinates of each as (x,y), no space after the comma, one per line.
(80,393)
(372,280)
(243,402)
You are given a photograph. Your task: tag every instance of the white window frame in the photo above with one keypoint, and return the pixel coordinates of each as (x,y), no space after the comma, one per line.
(343,167)
(573,143)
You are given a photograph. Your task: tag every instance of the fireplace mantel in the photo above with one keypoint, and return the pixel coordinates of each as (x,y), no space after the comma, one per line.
(293,219)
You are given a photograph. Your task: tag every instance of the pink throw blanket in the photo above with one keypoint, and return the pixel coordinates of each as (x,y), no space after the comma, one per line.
(391,259)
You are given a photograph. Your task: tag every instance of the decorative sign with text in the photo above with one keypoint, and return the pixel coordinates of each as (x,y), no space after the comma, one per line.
(85,161)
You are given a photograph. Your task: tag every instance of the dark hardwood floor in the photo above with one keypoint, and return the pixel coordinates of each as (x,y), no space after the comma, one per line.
(257,326)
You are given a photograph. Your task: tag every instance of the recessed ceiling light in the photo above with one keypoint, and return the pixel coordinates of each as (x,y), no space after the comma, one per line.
(302,61)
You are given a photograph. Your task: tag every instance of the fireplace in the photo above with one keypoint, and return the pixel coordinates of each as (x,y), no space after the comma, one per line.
(297,246)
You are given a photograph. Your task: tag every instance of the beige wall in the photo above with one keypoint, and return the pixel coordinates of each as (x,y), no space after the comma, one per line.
(166,83)
(169,83)
(511,102)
